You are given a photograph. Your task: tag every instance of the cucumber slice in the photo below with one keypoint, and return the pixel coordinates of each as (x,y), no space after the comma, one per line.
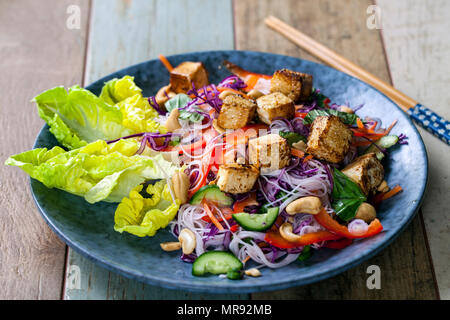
(256,221)
(216,262)
(212,193)
(235,274)
(385,142)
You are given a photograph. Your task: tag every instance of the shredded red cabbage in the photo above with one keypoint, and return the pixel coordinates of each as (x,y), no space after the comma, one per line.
(232,82)
(154,105)
(189,258)
(402,139)
(150,138)
(208,94)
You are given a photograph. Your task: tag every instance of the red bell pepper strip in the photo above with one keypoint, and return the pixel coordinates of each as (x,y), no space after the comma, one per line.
(227,213)
(326,221)
(338,244)
(239,206)
(274,237)
(207,163)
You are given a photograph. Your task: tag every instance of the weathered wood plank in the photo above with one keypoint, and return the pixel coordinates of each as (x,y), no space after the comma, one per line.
(418,50)
(341,25)
(124,33)
(37,52)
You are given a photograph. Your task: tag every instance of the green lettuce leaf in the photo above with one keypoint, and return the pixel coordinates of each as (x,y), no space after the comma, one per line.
(138,115)
(78,117)
(144,216)
(97,171)
(116,90)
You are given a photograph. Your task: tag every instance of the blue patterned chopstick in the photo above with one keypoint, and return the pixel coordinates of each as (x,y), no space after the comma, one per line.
(432,122)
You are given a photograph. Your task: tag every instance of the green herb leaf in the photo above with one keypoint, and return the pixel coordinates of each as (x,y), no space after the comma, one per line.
(346,195)
(306,253)
(347,118)
(179,101)
(291,137)
(318,98)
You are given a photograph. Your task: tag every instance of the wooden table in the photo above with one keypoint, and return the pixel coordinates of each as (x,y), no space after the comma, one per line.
(42,46)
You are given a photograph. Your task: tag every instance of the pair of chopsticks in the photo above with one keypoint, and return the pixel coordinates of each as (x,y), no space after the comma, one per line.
(421,115)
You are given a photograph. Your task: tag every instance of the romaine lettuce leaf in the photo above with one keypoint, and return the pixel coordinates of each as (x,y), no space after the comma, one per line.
(97,171)
(143,216)
(116,90)
(78,117)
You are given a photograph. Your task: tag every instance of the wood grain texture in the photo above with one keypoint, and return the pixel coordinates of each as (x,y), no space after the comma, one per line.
(37,52)
(417,41)
(341,26)
(124,33)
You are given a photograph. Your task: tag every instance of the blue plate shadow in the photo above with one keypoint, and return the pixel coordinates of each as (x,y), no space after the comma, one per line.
(89,228)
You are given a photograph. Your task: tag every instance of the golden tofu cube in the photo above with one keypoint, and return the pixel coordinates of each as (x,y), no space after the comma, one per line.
(236,112)
(295,85)
(329,139)
(270,152)
(273,106)
(183,75)
(367,171)
(236,178)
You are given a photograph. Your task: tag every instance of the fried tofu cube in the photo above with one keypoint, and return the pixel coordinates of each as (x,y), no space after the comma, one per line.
(329,139)
(184,74)
(236,112)
(295,85)
(236,178)
(269,152)
(367,171)
(274,105)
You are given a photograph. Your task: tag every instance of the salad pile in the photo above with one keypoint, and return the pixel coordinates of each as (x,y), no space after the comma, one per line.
(257,169)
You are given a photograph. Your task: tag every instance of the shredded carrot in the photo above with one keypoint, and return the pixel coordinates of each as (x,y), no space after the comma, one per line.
(392,192)
(307,158)
(246,259)
(360,124)
(165,62)
(251,82)
(390,127)
(297,153)
(212,217)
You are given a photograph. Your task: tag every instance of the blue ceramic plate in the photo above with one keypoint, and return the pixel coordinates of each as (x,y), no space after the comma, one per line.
(89,228)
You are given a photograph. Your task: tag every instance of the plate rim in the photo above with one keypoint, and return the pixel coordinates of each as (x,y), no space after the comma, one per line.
(243,287)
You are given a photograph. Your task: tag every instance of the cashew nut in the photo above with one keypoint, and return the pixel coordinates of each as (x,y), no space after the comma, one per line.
(216,126)
(170,246)
(383,187)
(253,272)
(287,233)
(180,185)
(225,94)
(163,95)
(172,122)
(300,145)
(255,94)
(346,109)
(311,205)
(187,240)
(366,212)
